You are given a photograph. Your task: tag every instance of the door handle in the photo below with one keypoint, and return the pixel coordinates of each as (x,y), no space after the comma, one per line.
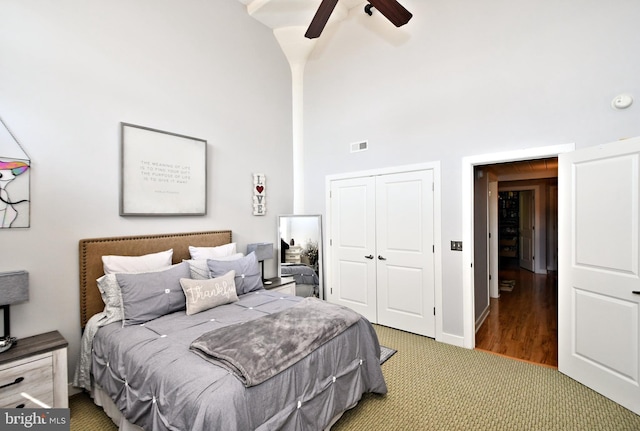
(369,257)
(636,292)
(381,258)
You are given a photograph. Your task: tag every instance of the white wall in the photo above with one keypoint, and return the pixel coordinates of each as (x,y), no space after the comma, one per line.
(462,79)
(71,71)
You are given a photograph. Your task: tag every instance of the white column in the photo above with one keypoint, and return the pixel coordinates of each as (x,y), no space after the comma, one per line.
(296,48)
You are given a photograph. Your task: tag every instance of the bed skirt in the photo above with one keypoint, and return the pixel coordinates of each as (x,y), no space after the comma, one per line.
(101,399)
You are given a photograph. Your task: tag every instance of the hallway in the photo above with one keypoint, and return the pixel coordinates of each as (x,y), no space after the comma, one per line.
(523,323)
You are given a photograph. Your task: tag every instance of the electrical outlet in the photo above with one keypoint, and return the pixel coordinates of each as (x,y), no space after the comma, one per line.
(456,245)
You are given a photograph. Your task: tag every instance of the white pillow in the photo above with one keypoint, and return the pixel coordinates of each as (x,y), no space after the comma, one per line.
(234,256)
(129,264)
(212,252)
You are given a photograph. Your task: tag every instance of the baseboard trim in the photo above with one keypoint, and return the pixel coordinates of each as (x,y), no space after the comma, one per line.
(482,318)
(455,340)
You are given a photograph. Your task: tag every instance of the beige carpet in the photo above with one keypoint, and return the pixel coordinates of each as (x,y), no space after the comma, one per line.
(435,386)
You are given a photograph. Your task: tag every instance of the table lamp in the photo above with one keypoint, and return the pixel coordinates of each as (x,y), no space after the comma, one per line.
(14,288)
(263,250)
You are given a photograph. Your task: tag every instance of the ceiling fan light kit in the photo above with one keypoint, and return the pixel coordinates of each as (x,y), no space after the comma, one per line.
(391,9)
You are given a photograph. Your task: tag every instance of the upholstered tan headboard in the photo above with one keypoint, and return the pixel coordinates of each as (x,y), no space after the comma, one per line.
(92,250)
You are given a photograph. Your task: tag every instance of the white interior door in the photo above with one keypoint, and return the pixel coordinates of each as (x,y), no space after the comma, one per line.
(405,255)
(527,221)
(598,312)
(353,247)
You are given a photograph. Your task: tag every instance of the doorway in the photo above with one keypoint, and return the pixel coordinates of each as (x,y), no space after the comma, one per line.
(468,166)
(520,319)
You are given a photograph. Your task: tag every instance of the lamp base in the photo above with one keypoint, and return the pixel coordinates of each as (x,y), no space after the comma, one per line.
(7,320)
(6,343)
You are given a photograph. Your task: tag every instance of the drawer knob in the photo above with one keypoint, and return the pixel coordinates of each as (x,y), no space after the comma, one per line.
(20,406)
(15,382)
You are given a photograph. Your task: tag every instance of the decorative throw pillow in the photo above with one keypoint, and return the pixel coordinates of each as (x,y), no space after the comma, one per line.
(112,298)
(205,294)
(153,294)
(200,269)
(130,264)
(248,276)
(212,252)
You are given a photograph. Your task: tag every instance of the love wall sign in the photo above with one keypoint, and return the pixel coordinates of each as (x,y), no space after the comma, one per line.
(259,195)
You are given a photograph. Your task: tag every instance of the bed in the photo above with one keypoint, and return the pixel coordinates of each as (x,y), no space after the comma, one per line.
(306,278)
(149,375)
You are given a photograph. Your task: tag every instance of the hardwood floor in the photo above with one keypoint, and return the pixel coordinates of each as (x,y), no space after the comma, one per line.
(523,323)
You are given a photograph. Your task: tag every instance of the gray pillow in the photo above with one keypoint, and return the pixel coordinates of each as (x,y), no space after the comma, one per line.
(248,275)
(200,269)
(153,294)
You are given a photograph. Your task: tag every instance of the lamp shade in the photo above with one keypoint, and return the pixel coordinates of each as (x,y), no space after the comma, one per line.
(263,250)
(14,287)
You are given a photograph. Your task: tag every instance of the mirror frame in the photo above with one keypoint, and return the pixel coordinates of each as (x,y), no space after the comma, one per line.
(320,271)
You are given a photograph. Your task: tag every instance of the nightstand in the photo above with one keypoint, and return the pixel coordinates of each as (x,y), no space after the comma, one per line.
(37,366)
(282,284)
(292,255)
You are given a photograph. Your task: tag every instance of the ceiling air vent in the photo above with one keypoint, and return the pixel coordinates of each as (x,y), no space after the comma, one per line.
(359,146)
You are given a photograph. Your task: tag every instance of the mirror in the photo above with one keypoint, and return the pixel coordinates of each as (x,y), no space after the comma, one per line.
(300,252)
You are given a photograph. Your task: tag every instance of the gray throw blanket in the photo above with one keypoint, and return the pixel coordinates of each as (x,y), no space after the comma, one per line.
(259,349)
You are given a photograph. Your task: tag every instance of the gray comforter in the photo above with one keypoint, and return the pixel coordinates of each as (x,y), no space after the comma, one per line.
(259,349)
(158,384)
(302,274)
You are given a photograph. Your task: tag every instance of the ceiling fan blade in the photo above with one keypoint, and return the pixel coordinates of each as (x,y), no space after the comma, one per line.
(320,18)
(394,11)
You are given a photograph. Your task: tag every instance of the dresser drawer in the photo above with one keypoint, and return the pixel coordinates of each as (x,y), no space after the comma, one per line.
(33,376)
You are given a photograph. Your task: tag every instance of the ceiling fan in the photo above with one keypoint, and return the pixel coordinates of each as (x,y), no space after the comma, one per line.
(391,9)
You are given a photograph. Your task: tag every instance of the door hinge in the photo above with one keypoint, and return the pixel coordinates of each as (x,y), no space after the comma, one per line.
(330,242)
(433,187)
(434,311)
(434,248)
(489,276)
(331,290)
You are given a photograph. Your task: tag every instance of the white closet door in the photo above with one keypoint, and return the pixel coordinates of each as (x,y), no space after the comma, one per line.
(405,255)
(352,234)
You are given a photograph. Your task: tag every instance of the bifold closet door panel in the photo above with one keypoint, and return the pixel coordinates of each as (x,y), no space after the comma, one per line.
(404,252)
(352,242)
